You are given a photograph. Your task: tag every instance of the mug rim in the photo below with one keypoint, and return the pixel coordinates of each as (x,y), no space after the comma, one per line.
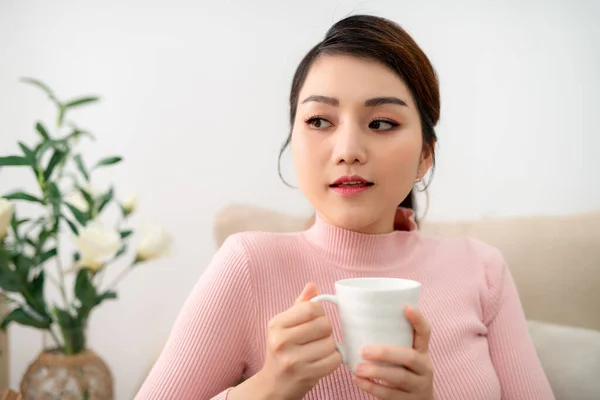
(345,284)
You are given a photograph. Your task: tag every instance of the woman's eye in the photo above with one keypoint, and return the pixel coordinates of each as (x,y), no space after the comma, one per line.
(381,125)
(318,123)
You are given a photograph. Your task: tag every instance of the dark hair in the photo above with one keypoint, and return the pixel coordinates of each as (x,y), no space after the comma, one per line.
(382,40)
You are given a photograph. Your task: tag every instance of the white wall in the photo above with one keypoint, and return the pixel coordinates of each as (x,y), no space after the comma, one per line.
(197,92)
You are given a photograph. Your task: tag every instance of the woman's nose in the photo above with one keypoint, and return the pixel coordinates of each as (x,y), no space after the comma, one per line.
(349,147)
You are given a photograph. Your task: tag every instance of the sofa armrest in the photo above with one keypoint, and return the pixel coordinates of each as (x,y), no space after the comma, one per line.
(570,357)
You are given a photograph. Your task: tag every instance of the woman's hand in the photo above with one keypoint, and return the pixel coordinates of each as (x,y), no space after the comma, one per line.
(300,349)
(411,377)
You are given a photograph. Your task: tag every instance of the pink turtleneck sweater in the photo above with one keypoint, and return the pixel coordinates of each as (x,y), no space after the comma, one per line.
(480,344)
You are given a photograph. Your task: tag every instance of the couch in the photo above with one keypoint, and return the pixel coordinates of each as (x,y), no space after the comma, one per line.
(555,261)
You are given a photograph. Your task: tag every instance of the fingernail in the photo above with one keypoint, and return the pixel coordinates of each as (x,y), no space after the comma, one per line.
(366,351)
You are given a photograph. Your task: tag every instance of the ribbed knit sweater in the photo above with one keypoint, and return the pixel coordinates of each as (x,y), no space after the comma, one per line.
(480,345)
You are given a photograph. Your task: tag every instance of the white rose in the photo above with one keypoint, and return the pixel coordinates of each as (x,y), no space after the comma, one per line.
(6,213)
(97,245)
(129,204)
(155,242)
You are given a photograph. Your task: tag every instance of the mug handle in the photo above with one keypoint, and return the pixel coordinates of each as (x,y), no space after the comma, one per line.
(332,299)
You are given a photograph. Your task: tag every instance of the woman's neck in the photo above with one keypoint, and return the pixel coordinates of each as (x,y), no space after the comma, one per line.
(361,251)
(403,220)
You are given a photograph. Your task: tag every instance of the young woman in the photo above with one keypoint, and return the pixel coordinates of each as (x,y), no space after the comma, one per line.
(363,106)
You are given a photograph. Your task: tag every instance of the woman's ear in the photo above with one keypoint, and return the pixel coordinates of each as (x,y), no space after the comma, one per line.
(426,161)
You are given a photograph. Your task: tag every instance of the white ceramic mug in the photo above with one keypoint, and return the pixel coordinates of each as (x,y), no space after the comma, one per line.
(371,312)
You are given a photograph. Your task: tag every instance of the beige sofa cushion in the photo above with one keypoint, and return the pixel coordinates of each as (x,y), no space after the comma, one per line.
(570,357)
(555,262)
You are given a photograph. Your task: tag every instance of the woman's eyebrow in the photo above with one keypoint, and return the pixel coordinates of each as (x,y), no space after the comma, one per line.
(378,101)
(374,102)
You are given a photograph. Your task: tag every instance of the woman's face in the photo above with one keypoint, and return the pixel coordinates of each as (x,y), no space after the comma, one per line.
(356,121)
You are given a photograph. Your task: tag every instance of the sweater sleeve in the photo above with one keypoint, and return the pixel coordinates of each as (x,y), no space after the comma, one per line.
(205,353)
(511,349)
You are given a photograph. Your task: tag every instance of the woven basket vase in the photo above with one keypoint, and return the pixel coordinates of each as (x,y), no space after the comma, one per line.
(54,375)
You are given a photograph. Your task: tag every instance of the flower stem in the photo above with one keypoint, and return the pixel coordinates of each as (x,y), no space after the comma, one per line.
(59,266)
(61,278)
(54,337)
(53,280)
(119,277)
(100,276)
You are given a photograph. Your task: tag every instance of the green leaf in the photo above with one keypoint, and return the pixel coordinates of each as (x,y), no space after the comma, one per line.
(108,161)
(13,161)
(57,157)
(4,260)
(41,148)
(88,197)
(76,257)
(81,101)
(125,234)
(77,132)
(108,295)
(29,154)
(21,221)
(61,114)
(54,197)
(42,130)
(23,196)
(47,255)
(37,302)
(81,217)
(53,192)
(14,224)
(81,167)
(85,292)
(31,159)
(72,226)
(20,316)
(121,251)
(23,264)
(9,280)
(105,199)
(65,320)
(43,236)
(39,84)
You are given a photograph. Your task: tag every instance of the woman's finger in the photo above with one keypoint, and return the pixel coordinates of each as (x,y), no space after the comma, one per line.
(316,329)
(377,390)
(401,356)
(421,327)
(396,377)
(300,313)
(310,290)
